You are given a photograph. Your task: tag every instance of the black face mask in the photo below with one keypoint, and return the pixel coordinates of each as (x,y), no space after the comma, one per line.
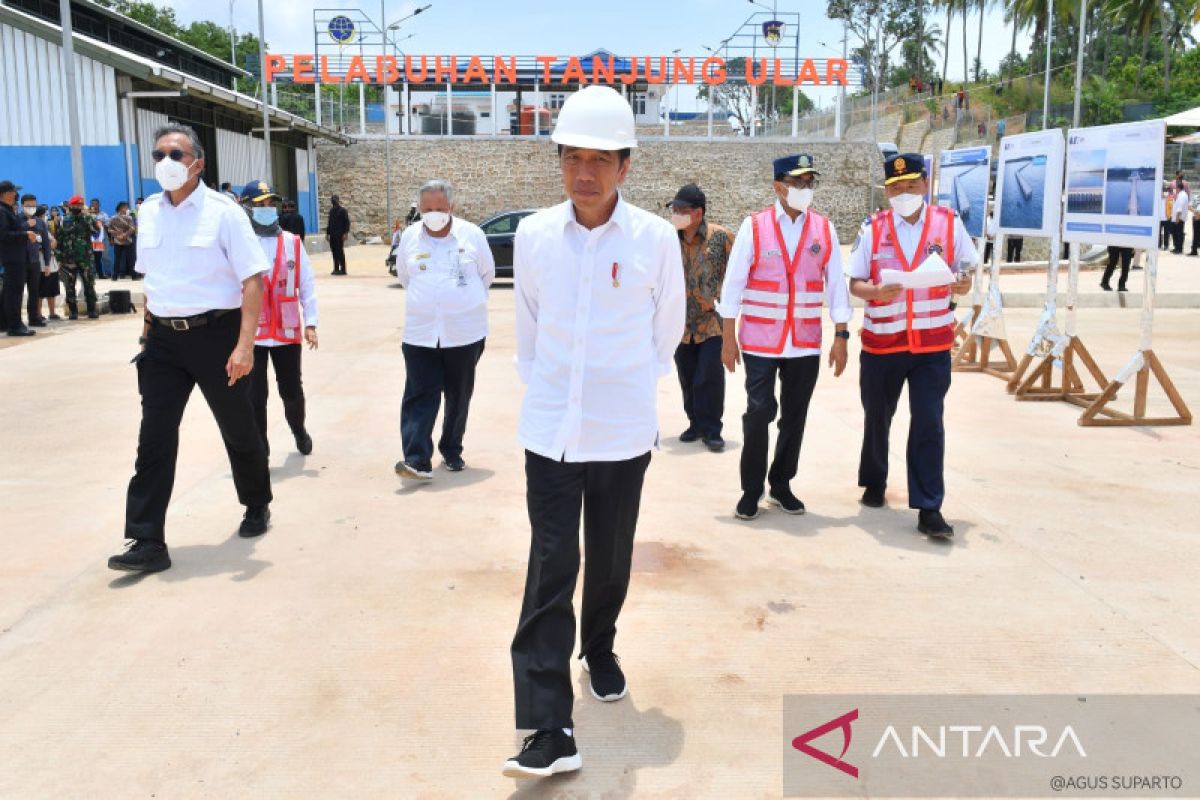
(75,212)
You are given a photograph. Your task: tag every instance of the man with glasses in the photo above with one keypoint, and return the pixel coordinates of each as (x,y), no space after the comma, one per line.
(786,266)
(203,269)
(705,247)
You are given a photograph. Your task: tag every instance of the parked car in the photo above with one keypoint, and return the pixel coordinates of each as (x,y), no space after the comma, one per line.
(500,229)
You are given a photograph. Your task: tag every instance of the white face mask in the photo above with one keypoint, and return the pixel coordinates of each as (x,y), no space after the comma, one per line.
(171,174)
(906,204)
(681,221)
(435,220)
(799,199)
(30,210)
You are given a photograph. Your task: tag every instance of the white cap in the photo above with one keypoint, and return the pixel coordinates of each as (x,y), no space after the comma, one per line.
(596,118)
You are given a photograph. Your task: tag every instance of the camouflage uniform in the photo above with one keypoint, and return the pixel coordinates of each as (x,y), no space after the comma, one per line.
(75,258)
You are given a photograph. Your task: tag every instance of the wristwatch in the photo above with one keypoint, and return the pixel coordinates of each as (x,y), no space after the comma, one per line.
(842,334)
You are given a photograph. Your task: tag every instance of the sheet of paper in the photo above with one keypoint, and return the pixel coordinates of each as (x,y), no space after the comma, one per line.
(933,271)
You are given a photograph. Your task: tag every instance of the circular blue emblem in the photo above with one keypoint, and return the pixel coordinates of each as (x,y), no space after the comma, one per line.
(341,29)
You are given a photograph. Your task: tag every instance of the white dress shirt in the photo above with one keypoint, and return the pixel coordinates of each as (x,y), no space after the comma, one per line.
(196,255)
(837,296)
(305,284)
(1180,208)
(590,348)
(965,255)
(446,281)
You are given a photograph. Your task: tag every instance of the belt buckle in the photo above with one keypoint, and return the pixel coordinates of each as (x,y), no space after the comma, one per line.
(179,325)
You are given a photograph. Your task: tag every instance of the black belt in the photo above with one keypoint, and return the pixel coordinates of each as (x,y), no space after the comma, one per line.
(187,323)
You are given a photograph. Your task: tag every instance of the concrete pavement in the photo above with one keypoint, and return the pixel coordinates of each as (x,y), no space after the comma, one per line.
(360,648)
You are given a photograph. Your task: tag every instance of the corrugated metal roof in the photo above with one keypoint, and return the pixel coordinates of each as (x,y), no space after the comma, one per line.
(153,72)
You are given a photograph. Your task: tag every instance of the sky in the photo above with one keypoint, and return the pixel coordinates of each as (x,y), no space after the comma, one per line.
(531,27)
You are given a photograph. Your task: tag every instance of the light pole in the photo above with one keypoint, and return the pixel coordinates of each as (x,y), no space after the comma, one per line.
(262,82)
(68,67)
(387,136)
(667,98)
(232,45)
(1049,45)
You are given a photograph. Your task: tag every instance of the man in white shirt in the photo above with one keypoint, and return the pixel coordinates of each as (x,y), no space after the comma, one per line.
(289,314)
(446,267)
(907,335)
(1179,213)
(600,305)
(786,265)
(204,288)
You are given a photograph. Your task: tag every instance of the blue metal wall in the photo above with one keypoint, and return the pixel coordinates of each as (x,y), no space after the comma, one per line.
(46,172)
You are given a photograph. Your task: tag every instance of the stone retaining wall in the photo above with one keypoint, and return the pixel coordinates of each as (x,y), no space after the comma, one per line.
(496,175)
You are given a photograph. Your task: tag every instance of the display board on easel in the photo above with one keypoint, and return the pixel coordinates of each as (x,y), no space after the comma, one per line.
(963,179)
(1114,175)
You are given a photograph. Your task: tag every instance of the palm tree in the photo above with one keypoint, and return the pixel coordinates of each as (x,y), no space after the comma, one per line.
(949,4)
(983,6)
(1141,15)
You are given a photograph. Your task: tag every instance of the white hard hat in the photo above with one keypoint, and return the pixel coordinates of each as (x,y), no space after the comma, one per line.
(596,118)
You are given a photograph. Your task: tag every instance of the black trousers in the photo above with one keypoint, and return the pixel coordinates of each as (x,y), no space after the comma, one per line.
(33,290)
(1195,236)
(608,495)
(337,248)
(987,252)
(1012,247)
(171,365)
(1125,256)
(702,379)
(14,286)
(797,379)
(1164,234)
(431,372)
(1177,236)
(881,379)
(286,360)
(123,259)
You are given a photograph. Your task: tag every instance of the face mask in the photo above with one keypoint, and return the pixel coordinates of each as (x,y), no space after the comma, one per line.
(435,220)
(799,199)
(76,211)
(681,221)
(906,204)
(266,216)
(170,174)
(30,210)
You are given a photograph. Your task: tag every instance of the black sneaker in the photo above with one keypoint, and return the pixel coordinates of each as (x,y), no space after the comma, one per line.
(455,464)
(607,679)
(747,507)
(785,500)
(255,522)
(714,443)
(38,323)
(544,753)
(933,524)
(872,497)
(421,472)
(21,331)
(689,436)
(303,443)
(142,556)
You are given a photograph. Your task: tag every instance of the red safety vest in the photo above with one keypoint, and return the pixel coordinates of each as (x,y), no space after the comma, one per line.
(784,293)
(279,318)
(920,320)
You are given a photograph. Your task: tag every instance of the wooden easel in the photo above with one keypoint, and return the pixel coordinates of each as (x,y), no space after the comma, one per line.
(975,351)
(1040,384)
(1144,362)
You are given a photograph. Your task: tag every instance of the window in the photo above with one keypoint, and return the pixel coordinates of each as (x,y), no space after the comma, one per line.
(638,101)
(506,223)
(557,100)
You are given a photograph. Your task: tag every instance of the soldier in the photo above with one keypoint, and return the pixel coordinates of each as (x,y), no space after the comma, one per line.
(75,260)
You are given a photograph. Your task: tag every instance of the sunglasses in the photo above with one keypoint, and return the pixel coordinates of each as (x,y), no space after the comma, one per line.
(174,155)
(682,208)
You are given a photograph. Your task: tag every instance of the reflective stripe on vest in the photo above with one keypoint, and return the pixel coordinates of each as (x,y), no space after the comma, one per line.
(784,293)
(920,321)
(280,290)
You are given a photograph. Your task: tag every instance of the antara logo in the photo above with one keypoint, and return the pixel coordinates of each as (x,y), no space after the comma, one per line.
(801,743)
(1022,740)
